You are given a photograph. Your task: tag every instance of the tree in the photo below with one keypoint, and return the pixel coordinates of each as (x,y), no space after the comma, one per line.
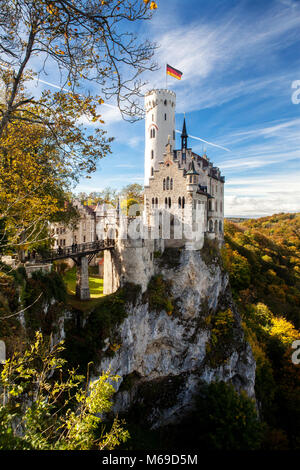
(133,191)
(34,180)
(45,408)
(226,420)
(88,42)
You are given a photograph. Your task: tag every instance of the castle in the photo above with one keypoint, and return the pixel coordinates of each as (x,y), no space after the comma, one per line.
(183,203)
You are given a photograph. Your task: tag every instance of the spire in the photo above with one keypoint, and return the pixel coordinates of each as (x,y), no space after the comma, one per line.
(184,135)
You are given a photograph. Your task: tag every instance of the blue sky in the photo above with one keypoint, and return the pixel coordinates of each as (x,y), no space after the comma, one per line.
(239,60)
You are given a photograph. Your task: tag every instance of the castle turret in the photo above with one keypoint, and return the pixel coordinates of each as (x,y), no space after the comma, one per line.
(159,125)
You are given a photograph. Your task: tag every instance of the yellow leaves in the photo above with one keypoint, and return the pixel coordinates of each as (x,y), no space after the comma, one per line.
(153,5)
(284,330)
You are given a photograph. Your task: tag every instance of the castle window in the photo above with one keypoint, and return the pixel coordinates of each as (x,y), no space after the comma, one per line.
(164,184)
(156,202)
(153,202)
(171,183)
(216,206)
(220,226)
(183,202)
(221,206)
(166,202)
(195,179)
(173,135)
(152,171)
(165,116)
(168,182)
(191,179)
(152,133)
(165,102)
(179,202)
(216,226)
(84,239)
(209,206)
(152,154)
(169,202)
(210,226)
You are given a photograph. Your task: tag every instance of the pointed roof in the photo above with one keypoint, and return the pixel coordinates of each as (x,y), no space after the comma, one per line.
(184,132)
(192,170)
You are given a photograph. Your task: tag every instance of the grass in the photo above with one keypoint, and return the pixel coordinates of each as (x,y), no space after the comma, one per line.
(95,283)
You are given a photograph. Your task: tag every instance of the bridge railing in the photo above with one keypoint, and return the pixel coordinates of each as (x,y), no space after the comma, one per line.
(77,249)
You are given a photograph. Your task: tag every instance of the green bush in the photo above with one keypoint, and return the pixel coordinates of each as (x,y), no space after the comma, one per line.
(226,420)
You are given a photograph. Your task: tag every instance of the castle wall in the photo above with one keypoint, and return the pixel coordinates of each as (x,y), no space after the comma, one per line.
(131,261)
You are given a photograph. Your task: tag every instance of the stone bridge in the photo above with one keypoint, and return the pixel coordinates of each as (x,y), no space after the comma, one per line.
(82,255)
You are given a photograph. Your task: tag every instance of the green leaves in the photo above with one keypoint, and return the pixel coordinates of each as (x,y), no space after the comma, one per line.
(51,405)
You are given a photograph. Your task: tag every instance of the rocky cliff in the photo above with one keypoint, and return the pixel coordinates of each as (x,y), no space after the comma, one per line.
(182,332)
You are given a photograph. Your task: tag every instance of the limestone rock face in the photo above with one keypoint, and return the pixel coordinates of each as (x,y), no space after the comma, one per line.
(164,358)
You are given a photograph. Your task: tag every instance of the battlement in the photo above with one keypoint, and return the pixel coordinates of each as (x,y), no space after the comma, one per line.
(160,91)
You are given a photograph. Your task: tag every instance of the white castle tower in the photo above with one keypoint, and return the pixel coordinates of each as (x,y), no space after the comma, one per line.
(159,127)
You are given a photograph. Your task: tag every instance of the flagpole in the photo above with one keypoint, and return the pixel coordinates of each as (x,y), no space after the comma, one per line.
(166,78)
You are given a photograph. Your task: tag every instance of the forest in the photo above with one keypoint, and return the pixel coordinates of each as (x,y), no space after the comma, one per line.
(262,257)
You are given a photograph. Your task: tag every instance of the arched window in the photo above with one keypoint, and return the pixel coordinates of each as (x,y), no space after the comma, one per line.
(216,226)
(183,202)
(169,202)
(152,133)
(152,171)
(156,202)
(152,154)
(164,184)
(210,226)
(171,183)
(220,226)
(168,182)
(165,102)
(166,202)
(179,202)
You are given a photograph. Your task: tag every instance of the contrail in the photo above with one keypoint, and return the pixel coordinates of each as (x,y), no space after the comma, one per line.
(209,143)
(57,86)
(116,107)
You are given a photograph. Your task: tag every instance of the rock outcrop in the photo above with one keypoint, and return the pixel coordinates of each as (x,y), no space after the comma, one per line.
(183,332)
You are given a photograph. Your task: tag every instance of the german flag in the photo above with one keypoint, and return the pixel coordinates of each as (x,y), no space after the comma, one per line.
(174,72)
